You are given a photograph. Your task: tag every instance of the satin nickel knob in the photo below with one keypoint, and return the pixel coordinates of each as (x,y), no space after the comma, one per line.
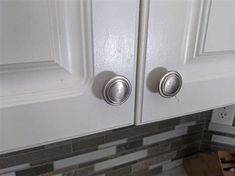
(170,84)
(117,90)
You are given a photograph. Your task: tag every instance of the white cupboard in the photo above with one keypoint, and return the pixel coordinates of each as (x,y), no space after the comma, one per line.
(68,67)
(55,58)
(195,38)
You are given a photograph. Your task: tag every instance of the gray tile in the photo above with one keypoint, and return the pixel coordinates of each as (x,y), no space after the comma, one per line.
(159,164)
(131,132)
(60,157)
(188,149)
(99,174)
(218,146)
(206,115)
(172,164)
(183,134)
(155,171)
(120,160)
(80,172)
(93,162)
(190,118)
(205,146)
(223,140)
(178,142)
(196,128)
(222,128)
(35,170)
(109,144)
(84,158)
(9,174)
(169,123)
(207,135)
(159,148)
(179,171)
(15,168)
(103,174)
(87,143)
(206,122)
(33,156)
(144,164)
(72,172)
(201,116)
(25,151)
(61,171)
(219,134)
(187,124)
(123,171)
(148,172)
(157,131)
(164,136)
(132,145)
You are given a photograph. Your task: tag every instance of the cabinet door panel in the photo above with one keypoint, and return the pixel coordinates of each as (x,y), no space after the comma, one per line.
(196,39)
(50,63)
(221,20)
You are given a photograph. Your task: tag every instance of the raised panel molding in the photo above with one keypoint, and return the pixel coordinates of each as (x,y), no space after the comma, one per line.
(197,32)
(221,26)
(198,63)
(69,70)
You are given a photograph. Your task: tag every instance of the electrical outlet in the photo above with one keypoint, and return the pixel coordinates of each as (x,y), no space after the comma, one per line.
(224,115)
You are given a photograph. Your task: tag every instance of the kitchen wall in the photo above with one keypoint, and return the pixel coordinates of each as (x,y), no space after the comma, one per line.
(136,151)
(219,137)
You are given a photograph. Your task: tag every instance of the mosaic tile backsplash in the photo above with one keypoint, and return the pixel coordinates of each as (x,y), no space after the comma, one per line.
(132,151)
(219,137)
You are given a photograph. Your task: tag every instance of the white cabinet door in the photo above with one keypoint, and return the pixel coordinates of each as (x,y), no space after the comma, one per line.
(55,57)
(196,38)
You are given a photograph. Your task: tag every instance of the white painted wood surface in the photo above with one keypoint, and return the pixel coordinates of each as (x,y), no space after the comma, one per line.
(195,38)
(50,62)
(51,53)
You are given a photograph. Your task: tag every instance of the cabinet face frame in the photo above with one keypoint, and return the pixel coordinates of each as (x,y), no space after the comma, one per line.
(201,70)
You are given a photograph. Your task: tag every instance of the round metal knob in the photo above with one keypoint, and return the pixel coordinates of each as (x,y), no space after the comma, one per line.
(170,84)
(117,90)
